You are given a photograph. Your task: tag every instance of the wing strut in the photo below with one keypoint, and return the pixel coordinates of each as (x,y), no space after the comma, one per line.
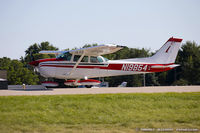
(75,66)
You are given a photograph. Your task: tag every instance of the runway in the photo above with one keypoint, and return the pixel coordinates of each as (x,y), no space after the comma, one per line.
(110,90)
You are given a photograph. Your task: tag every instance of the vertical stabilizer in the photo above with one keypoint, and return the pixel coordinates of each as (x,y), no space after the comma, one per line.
(168,52)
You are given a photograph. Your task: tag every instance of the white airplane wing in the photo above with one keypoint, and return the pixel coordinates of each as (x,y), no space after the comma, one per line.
(51,52)
(90,51)
(97,50)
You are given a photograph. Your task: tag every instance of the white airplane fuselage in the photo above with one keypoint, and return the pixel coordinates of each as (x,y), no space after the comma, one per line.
(79,64)
(62,69)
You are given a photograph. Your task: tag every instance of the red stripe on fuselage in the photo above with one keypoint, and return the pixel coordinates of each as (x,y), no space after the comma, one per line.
(120,67)
(37,62)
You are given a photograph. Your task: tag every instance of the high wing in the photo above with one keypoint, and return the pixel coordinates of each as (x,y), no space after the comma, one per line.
(90,51)
(51,52)
(97,50)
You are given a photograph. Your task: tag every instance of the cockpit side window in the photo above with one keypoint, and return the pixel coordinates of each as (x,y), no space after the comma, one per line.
(76,57)
(65,56)
(98,59)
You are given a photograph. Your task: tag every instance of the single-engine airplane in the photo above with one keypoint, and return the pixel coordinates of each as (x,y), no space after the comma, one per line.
(86,63)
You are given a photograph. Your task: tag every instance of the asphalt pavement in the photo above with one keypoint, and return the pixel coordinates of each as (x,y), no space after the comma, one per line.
(110,90)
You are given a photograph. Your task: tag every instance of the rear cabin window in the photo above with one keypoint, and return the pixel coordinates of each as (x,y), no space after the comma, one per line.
(77,57)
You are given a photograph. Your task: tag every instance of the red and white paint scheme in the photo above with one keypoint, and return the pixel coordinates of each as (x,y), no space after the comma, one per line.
(88,63)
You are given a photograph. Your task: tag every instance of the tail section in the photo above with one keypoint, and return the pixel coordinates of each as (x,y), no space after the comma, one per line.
(166,55)
(168,52)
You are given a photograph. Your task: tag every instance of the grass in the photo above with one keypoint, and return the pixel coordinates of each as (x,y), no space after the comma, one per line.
(99,113)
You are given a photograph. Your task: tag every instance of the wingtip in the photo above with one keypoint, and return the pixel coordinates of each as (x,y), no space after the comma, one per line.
(120,46)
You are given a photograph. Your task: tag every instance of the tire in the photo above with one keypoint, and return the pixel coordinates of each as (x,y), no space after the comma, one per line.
(88,86)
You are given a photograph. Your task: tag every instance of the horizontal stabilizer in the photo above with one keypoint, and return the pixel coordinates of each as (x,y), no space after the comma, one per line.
(165,66)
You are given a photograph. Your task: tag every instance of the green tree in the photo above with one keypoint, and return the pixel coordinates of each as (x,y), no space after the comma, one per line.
(136,80)
(89,45)
(33,51)
(151,79)
(188,73)
(189,59)
(17,73)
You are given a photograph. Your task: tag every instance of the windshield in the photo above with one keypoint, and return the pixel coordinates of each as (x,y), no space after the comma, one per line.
(66,56)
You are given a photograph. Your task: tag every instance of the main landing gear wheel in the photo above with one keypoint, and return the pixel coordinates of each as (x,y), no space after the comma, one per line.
(88,86)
